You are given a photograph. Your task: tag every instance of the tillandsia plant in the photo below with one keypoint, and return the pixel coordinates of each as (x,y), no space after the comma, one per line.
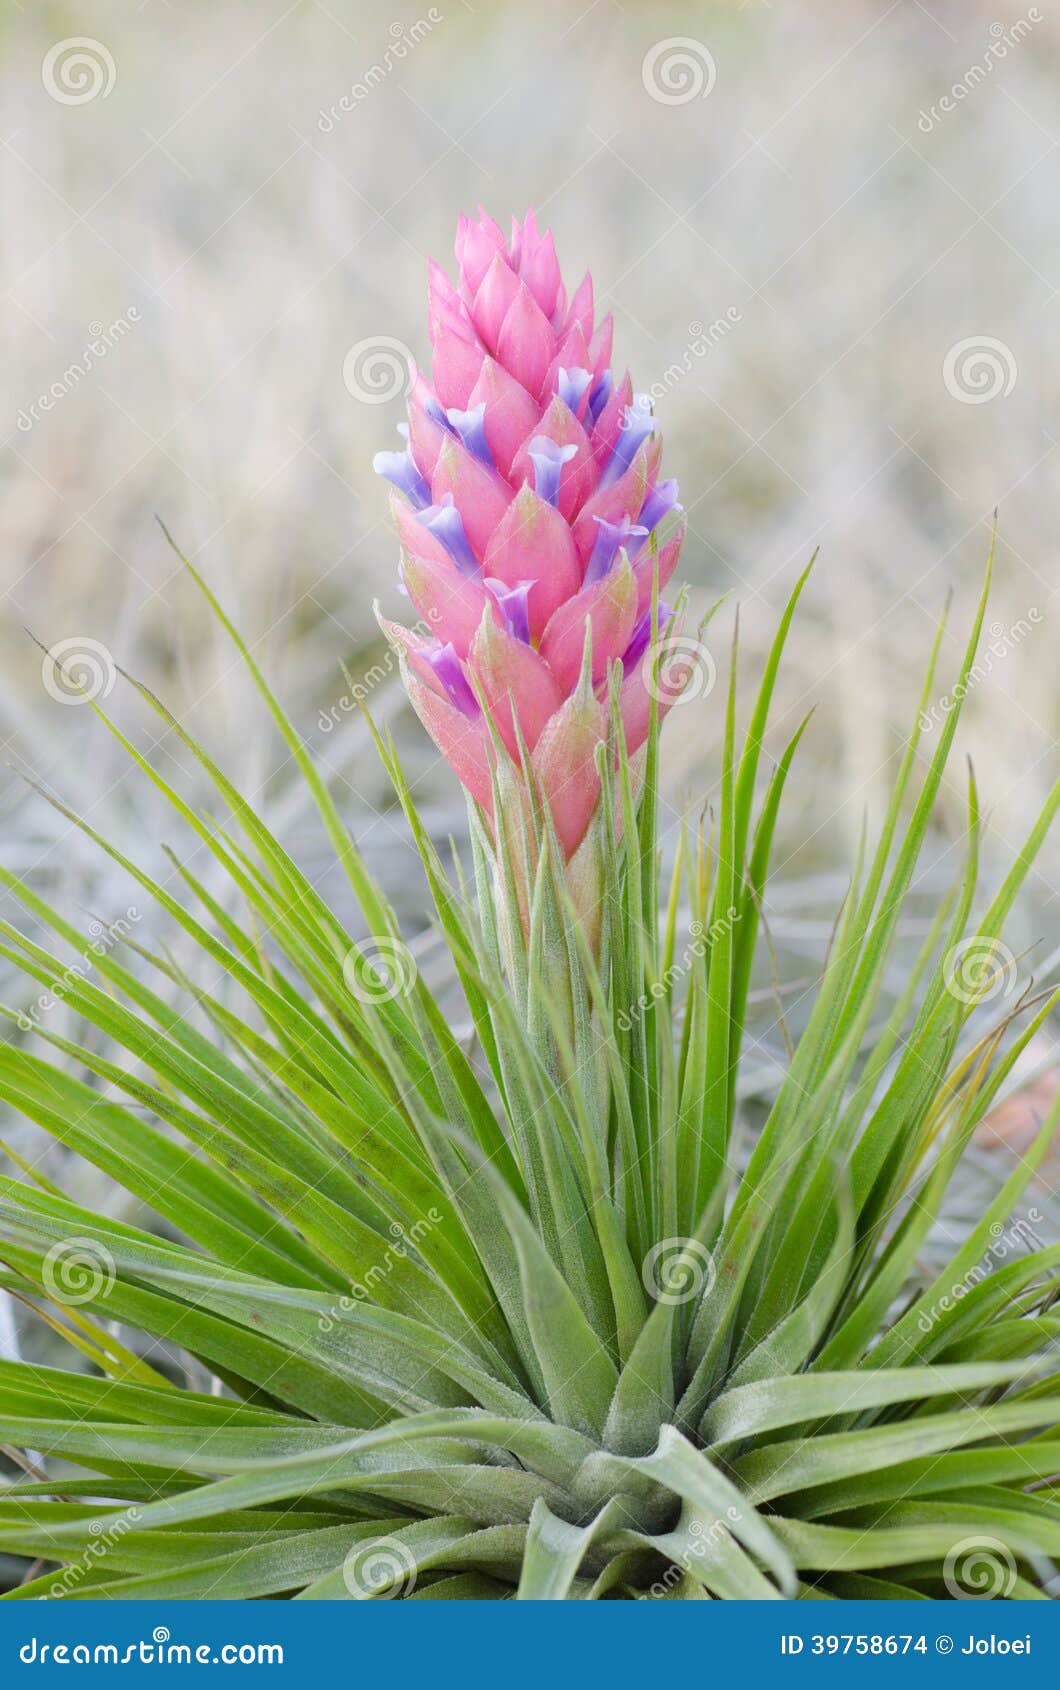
(536,535)
(528,1307)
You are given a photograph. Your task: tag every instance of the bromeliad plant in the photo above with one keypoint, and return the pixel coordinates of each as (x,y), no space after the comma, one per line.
(536,537)
(529,1311)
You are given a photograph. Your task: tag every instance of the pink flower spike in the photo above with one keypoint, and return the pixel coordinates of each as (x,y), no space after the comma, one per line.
(600,346)
(581,307)
(565,766)
(526,341)
(408,642)
(532,542)
(511,414)
(558,460)
(444,523)
(610,607)
(446,312)
(415,537)
(478,492)
(426,435)
(548,458)
(570,378)
(450,603)
(623,498)
(455,365)
(477,245)
(539,269)
(513,678)
(513,605)
(609,422)
(462,741)
(515,245)
(531,486)
(498,288)
(491,227)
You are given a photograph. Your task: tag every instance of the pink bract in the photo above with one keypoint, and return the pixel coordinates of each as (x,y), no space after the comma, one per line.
(529,518)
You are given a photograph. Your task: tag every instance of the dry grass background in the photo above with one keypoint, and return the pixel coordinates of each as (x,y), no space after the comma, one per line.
(848,241)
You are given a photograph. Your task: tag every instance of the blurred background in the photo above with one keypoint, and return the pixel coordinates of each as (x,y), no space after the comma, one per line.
(828,236)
